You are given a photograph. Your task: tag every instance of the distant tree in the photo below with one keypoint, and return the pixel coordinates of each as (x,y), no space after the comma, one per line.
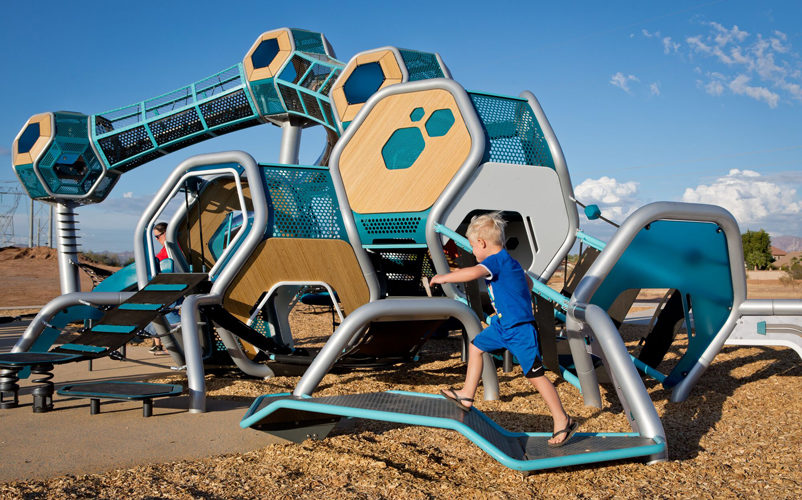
(757,249)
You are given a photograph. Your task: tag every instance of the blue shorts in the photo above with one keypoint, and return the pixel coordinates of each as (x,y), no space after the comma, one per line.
(520,340)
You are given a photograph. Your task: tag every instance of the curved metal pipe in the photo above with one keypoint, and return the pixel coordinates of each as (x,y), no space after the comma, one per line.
(395,309)
(39,323)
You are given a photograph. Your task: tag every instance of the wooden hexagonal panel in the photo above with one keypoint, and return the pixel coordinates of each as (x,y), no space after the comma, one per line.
(33,146)
(386,58)
(371,186)
(283,49)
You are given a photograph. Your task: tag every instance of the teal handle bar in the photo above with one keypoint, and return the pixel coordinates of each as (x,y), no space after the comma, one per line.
(590,240)
(539,288)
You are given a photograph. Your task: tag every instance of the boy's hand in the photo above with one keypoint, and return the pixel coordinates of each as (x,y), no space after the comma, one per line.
(437,279)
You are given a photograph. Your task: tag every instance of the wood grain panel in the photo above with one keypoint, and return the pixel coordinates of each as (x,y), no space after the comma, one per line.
(372,187)
(297,259)
(216,201)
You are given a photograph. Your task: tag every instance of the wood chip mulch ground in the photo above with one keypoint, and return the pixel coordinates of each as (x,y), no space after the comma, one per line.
(738,435)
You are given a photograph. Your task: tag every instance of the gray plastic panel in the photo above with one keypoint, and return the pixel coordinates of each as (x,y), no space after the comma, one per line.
(538,447)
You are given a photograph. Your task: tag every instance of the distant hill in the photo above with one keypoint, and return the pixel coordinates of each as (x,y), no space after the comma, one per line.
(787,243)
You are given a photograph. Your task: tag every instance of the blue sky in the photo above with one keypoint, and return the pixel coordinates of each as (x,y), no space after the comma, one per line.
(693,101)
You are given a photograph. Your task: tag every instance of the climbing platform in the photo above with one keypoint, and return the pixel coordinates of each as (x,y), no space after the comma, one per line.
(120,390)
(298,418)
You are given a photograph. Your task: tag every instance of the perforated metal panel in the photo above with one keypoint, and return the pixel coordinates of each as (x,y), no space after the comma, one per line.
(128,143)
(421,65)
(291,100)
(228,108)
(176,126)
(308,41)
(304,203)
(512,130)
(311,105)
(266,97)
(383,228)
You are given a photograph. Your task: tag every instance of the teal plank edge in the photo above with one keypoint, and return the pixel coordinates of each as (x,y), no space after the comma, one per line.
(113,328)
(157,287)
(396,245)
(590,240)
(308,404)
(140,307)
(83,348)
(648,370)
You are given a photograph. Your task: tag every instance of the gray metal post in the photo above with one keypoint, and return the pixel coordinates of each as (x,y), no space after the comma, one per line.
(50,227)
(30,228)
(644,418)
(395,310)
(67,248)
(290,143)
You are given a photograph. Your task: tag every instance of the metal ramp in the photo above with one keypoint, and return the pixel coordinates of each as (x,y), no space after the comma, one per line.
(297,418)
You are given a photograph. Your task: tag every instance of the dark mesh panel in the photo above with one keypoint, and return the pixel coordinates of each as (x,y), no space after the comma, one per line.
(138,161)
(316,77)
(312,109)
(228,108)
(421,65)
(291,100)
(237,126)
(327,88)
(176,126)
(326,107)
(304,203)
(513,131)
(126,144)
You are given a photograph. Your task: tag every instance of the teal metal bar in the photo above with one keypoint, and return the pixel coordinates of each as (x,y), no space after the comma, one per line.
(165,287)
(569,377)
(648,370)
(590,240)
(113,328)
(140,307)
(83,348)
(461,241)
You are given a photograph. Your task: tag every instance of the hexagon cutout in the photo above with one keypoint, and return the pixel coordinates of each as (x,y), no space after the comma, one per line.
(32,139)
(265,53)
(416,114)
(268,54)
(364,81)
(403,148)
(390,68)
(439,123)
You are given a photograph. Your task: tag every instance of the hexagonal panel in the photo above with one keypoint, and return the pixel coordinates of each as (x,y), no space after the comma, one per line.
(439,123)
(264,53)
(416,114)
(364,81)
(391,71)
(268,53)
(403,148)
(28,138)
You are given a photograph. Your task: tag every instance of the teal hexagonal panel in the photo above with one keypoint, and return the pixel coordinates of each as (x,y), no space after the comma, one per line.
(439,123)
(416,114)
(403,148)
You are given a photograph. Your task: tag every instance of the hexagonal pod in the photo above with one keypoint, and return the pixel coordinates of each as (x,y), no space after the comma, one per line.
(32,139)
(364,75)
(267,54)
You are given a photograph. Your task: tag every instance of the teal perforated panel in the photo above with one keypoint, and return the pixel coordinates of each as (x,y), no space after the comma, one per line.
(308,41)
(512,131)
(266,96)
(392,228)
(30,182)
(303,203)
(421,65)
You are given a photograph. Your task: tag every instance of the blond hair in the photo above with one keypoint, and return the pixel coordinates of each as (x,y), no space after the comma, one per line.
(489,227)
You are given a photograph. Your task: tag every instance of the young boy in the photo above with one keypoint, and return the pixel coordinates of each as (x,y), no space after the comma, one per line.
(513,326)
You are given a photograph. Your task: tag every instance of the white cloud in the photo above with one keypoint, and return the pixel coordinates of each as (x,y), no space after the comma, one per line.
(761,66)
(622,82)
(129,194)
(654,88)
(748,196)
(739,86)
(615,199)
(670,46)
(646,33)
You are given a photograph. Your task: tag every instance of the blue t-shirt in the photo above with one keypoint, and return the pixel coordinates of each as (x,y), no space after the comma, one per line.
(508,289)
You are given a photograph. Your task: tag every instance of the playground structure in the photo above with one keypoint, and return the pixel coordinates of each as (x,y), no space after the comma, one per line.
(369,222)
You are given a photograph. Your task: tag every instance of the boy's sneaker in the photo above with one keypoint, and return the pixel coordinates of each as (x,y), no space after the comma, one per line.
(156,348)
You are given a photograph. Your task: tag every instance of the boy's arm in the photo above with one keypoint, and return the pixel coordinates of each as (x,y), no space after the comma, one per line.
(461,275)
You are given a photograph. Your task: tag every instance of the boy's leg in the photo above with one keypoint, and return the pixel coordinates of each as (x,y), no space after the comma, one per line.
(472,376)
(549,393)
